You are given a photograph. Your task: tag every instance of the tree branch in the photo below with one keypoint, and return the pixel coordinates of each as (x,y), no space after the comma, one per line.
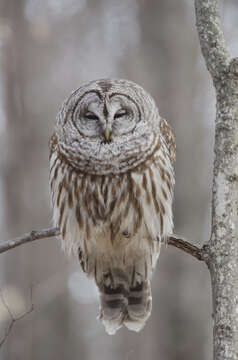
(13,318)
(173,240)
(211,37)
(32,236)
(182,244)
(223,245)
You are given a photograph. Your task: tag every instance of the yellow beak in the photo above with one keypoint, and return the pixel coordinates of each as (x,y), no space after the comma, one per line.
(107,134)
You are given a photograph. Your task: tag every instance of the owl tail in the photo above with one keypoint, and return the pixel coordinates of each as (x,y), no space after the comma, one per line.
(139,306)
(122,304)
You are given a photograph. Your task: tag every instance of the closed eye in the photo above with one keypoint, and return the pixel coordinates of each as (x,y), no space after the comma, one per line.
(120,113)
(91,116)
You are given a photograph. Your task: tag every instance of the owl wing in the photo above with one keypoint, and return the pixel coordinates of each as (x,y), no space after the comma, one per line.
(169,137)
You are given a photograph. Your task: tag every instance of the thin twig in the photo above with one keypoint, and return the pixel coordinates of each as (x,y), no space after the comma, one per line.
(32,236)
(173,240)
(13,318)
(184,245)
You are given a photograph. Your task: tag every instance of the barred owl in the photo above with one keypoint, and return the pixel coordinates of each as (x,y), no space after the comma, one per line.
(111,183)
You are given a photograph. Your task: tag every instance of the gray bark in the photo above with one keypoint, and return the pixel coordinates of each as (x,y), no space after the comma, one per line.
(223,246)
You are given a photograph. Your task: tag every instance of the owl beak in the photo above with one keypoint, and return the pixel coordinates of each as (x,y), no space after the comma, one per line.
(107,134)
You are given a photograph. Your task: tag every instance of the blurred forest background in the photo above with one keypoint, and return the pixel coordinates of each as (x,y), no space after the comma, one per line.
(47,49)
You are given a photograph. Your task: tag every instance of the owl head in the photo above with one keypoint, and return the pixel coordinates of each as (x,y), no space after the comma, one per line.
(107,126)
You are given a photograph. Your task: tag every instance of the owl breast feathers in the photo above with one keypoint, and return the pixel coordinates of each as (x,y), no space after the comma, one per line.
(111,183)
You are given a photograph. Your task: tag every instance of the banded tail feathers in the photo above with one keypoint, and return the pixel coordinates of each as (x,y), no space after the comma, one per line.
(123,304)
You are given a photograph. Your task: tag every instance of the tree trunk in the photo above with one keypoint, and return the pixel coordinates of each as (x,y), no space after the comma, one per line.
(222,248)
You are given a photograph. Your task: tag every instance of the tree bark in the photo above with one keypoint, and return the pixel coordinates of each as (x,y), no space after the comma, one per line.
(223,245)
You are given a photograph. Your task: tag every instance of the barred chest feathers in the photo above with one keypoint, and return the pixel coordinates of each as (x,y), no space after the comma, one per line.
(114,216)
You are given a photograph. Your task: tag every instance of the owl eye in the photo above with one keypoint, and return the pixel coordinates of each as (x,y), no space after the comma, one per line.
(90,116)
(120,113)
